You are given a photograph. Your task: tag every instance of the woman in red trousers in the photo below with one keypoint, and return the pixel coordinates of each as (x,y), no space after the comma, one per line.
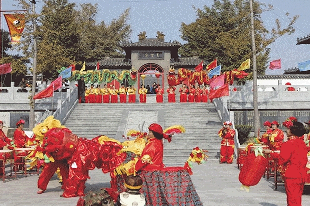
(171,94)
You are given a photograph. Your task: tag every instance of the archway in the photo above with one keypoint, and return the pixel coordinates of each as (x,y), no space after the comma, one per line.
(153,73)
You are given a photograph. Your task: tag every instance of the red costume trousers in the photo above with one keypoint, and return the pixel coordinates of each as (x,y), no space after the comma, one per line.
(183,97)
(198,98)
(159,98)
(99,98)
(171,97)
(50,169)
(122,98)
(227,153)
(92,98)
(191,98)
(294,188)
(204,98)
(113,98)
(106,98)
(142,98)
(131,98)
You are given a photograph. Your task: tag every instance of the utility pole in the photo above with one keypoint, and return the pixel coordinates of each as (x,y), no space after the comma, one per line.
(255,104)
(34,66)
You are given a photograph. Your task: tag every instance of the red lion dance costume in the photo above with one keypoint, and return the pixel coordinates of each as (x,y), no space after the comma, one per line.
(227,144)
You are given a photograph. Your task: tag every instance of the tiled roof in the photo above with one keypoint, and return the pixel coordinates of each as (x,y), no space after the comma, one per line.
(189,61)
(111,62)
(304,40)
(285,76)
(151,42)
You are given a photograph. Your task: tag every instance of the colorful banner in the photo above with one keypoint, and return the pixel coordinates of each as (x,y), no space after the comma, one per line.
(304,66)
(275,64)
(245,65)
(66,73)
(48,92)
(57,83)
(220,92)
(215,71)
(199,67)
(212,65)
(217,82)
(16,24)
(5,68)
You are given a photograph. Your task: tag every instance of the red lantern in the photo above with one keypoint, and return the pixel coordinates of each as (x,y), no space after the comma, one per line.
(157,75)
(253,169)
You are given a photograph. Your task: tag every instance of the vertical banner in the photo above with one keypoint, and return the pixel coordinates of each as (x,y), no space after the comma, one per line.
(16,24)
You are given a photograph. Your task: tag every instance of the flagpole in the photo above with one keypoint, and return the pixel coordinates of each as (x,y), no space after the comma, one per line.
(34,77)
(255,94)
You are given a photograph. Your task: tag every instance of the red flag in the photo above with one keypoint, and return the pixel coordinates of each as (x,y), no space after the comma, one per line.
(48,92)
(217,93)
(199,67)
(275,64)
(98,65)
(212,65)
(73,67)
(217,81)
(57,83)
(5,68)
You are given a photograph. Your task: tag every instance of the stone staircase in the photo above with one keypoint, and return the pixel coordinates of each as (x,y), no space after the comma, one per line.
(200,120)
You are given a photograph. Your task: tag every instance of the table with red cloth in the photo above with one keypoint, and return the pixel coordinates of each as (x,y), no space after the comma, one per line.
(168,186)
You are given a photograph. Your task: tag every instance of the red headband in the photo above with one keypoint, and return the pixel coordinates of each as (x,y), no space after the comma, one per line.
(156,128)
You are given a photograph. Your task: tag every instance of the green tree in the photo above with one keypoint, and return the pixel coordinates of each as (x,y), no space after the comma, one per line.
(223,31)
(100,40)
(68,34)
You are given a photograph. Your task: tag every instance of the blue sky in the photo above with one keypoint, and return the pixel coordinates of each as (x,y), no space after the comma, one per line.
(167,15)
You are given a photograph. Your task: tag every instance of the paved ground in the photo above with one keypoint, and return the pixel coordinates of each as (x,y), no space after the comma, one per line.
(217,185)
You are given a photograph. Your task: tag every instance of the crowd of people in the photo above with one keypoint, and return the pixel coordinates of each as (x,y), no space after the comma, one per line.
(109,94)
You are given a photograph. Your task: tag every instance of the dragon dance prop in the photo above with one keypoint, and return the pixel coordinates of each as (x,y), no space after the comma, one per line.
(197,155)
(103,76)
(253,169)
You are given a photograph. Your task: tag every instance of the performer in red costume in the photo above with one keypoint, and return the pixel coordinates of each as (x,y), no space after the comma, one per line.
(106,94)
(265,137)
(171,94)
(227,144)
(183,93)
(152,155)
(192,92)
(204,94)
(159,94)
(293,158)
(20,140)
(4,140)
(60,151)
(198,94)
(276,137)
(142,92)
(113,92)
(131,94)
(122,94)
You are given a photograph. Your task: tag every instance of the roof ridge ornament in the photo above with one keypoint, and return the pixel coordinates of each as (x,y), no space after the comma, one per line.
(142,36)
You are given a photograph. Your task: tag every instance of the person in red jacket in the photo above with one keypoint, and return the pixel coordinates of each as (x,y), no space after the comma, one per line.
(171,94)
(183,93)
(4,140)
(277,136)
(159,94)
(198,94)
(152,155)
(20,141)
(227,144)
(265,137)
(293,158)
(192,92)
(204,94)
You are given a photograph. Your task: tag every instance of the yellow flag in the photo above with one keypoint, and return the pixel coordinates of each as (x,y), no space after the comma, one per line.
(83,67)
(245,65)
